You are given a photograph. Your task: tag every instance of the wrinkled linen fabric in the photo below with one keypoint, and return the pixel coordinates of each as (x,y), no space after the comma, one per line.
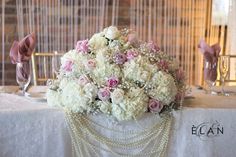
(29,128)
(32,129)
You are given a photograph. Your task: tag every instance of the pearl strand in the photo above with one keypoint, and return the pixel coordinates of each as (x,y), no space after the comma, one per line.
(135,135)
(146,133)
(77,133)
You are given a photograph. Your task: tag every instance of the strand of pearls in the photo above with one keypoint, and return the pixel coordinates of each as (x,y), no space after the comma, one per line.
(86,140)
(135,134)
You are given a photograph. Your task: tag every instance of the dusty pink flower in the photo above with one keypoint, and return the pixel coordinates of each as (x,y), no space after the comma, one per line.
(132,39)
(179,75)
(112,82)
(164,65)
(119,58)
(155,105)
(82,46)
(104,94)
(91,64)
(131,54)
(153,47)
(83,80)
(68,65)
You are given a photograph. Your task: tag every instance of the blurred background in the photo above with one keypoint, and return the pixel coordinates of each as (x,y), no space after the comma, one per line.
(176,26)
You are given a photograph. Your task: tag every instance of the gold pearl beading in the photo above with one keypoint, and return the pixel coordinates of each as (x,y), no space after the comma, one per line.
(92,139)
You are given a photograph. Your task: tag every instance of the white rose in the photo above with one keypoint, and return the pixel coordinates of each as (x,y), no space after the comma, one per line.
(112,33)
(97,41)
(165,90)
(117,96)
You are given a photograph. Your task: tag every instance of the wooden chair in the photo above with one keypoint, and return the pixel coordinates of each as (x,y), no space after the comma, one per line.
(43,66)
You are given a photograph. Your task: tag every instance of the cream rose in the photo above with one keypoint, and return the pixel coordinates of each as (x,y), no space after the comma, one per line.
(117,96)
(97,41)
(112,33)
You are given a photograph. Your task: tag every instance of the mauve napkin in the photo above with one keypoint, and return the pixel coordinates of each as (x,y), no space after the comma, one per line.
(20,54)
(21,51)
(211,54)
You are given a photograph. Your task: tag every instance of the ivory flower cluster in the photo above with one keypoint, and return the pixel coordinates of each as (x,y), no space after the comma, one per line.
(116,74)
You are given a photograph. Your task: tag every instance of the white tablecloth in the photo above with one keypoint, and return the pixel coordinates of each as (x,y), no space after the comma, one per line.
(29,128)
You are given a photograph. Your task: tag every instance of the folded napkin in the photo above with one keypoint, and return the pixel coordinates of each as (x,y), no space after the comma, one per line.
(21,50)
(211,54)
(20,54)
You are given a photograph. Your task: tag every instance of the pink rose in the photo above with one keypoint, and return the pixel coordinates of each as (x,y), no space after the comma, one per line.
(82,46)
(119,58)
(153,47)
(68,65)
(155,105)
(164,65)
(104,94)
(83,80)
(112,82)
(91,64)
(131,54)
(132,39)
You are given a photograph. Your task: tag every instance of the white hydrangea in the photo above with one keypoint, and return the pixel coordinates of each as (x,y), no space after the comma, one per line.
(133,105)
(54,98)
(79,59)
(104,69)
(165,90)
(139,69)
(105,107)
(76,97)
(97,41)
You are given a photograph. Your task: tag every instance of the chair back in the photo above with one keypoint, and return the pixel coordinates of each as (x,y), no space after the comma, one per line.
(43,66)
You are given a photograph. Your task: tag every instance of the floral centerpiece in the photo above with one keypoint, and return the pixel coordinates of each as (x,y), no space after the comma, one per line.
(116,74)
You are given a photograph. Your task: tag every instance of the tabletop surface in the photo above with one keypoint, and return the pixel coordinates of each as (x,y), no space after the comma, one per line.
(199,99)
(196,98)
(25,121)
